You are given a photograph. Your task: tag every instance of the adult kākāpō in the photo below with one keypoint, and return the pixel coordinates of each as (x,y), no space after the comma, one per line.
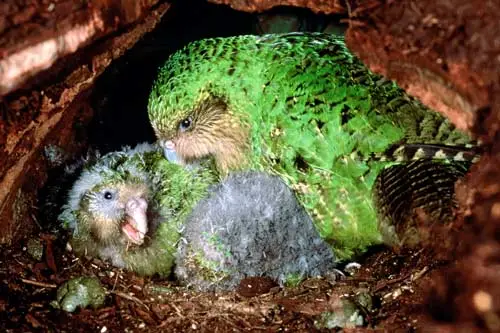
(299,105)
(128,207)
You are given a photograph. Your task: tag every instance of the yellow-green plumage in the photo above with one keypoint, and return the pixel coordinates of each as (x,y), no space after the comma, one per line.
(302,106)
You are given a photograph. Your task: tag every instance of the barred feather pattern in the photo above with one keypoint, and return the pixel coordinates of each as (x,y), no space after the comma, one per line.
(402,190)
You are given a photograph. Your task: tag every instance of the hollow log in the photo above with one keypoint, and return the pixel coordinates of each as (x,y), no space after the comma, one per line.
(77,41)
(446,53)
(317,6)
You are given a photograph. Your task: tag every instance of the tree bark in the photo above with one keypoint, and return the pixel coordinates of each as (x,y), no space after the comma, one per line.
(45,115)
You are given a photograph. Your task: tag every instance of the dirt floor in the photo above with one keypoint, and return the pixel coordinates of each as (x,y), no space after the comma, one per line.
(397,283)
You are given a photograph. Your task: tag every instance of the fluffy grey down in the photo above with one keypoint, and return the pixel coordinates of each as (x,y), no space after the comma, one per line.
(250,225)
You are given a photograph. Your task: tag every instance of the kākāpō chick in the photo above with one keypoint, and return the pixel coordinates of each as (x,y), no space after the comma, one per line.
(301,106)
(129,206)
(251,224)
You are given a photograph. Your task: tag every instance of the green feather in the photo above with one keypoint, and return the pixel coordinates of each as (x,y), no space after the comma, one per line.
(317,117)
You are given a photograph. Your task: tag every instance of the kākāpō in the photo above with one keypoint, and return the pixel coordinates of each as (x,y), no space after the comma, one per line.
(128,207)
(302,106)
(146,214)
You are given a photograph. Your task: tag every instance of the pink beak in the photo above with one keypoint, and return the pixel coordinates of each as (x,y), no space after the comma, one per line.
(136,224)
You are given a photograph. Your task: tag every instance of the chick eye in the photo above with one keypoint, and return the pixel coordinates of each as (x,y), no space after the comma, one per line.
(185,124)
(108,195)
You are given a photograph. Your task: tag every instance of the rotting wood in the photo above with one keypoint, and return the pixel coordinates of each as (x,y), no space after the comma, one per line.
(33,37)
(30,118)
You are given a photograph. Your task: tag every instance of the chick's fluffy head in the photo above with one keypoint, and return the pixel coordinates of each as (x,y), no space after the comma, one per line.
(106,197)
(104,209)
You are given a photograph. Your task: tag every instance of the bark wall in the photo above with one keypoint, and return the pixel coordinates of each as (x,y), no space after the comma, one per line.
(35,34)
(33,38)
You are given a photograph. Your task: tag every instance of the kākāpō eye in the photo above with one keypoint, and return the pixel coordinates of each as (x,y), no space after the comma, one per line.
(108,195)
(185,124)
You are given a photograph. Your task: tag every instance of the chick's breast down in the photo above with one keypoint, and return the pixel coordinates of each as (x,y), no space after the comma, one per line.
(251,224)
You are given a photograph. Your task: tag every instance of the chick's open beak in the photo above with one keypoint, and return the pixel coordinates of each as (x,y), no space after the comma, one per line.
(135,225)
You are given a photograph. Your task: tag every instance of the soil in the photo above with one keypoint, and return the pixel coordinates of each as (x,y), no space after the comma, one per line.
(397,282)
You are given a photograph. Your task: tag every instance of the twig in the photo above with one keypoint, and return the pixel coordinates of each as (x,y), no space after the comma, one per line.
(256,310)
(420,273)
(39,284)
(178,311)
(114,283)
(389,282)
(130,298)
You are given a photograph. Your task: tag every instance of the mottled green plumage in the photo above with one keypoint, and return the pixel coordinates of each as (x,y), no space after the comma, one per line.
(170,191)
(301,106)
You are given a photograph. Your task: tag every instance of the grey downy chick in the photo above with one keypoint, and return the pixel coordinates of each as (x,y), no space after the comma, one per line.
(130,207)
(251,224)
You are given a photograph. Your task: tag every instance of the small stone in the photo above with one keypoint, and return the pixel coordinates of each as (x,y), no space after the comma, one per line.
(364,299)
(80,292)
(348,316)
(483,301)
(35,248)
(348,313)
